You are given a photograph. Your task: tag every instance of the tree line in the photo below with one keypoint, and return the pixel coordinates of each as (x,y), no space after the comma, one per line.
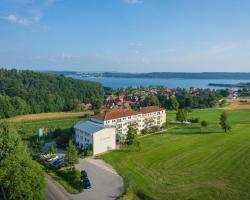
(205,98)
(23,92)
(20,176)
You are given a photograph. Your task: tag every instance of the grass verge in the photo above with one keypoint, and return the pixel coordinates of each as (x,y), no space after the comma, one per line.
(70,180)
(188,162)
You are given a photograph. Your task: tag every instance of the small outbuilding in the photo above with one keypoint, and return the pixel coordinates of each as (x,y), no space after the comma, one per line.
(91,133)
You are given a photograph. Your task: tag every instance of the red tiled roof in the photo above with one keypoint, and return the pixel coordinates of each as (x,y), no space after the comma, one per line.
(125,113)
(115,114)
(150,109)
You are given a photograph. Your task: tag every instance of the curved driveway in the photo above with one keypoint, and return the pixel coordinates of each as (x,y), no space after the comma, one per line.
(106,183)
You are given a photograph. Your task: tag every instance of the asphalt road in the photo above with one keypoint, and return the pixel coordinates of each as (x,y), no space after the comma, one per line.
(54,191)
(106,183)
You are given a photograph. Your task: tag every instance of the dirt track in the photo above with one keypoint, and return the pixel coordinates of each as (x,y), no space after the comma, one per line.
(238,104)
(48,116)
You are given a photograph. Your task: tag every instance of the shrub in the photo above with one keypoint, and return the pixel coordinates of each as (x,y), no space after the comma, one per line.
(144,131)
(51,150)
(154,129)
(63,139)
(204,123)
(131,134)
(88,151)
(194,120)
(96,111)
(38,144)
(223,103)
(72,177)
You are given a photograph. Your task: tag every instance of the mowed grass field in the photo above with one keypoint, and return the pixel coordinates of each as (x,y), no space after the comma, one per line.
(189,163)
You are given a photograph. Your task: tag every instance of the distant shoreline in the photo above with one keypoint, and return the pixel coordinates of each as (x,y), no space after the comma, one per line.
(238,85)
(160,75)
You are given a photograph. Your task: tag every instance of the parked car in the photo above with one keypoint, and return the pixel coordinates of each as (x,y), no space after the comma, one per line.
(59,165)
(48,156)
(83,175)
(44,156)
(53,158)
(86,183)
(55,162)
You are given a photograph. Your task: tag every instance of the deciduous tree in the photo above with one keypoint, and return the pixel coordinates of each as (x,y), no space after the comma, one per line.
(224,122)
(20,177)
(181,115)
(131,134)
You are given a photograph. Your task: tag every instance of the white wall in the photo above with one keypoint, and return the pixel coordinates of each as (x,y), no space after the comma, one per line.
(83,138)
(104,140)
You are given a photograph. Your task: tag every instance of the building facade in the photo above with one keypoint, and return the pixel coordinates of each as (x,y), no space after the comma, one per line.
(123,119)
(89,133)
(105,129)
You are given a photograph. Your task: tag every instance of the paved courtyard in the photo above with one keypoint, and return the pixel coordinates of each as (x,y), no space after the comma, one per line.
(106,183)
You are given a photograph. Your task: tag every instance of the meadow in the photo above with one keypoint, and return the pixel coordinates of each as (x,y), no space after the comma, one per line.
(189,162)
(29,129)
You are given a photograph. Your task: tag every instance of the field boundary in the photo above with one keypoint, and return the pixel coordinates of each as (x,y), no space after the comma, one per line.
(55,115)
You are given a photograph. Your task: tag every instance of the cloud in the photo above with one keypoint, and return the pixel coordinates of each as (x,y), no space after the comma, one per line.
(33,11)
(134,1)
(21,21)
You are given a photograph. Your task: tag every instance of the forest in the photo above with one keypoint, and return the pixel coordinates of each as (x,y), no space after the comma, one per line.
(24,92)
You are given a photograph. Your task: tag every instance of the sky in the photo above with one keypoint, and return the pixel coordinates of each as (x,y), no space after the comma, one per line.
(125,35)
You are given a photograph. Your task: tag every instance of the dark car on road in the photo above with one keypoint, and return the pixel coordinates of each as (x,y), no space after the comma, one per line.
(86,183)
(84,174)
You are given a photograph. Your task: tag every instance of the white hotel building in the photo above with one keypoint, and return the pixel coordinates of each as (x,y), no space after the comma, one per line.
(114,126)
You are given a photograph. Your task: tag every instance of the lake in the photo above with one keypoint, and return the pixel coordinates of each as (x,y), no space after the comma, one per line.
(170,83)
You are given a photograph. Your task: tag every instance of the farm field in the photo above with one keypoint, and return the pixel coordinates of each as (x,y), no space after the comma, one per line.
(189,163)
(239,104)
(41,116)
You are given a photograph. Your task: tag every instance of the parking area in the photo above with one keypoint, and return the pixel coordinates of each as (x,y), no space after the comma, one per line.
(106,184)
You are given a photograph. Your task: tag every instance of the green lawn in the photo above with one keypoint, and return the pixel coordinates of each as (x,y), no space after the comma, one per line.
(28,129)
(189,163)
